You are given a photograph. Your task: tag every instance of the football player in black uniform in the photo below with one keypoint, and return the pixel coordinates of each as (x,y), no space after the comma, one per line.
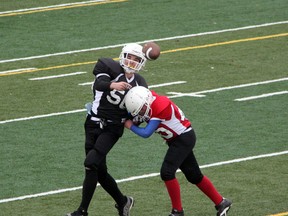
(104,124)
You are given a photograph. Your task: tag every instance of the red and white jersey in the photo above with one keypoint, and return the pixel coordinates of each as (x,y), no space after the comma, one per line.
(173,121)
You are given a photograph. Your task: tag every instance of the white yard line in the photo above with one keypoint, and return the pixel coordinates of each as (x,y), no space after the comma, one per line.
(167,84)
(177,94)
(133,178)
(86,83)
(261,96)
(79,110)
(196,94)
(142,42)
(42,116)
(57,76)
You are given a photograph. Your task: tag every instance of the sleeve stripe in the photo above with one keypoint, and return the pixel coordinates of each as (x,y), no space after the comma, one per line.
(102,74)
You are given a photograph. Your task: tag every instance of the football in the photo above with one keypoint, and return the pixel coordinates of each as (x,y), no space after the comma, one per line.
(151,50)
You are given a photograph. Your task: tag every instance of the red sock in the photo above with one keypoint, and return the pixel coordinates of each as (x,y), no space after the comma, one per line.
(173,189)
(207,187)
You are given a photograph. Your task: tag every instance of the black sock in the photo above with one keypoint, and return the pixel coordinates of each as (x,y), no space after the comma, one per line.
(89,186)
(110,186)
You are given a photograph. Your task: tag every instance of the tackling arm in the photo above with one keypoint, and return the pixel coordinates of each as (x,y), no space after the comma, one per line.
(147,131)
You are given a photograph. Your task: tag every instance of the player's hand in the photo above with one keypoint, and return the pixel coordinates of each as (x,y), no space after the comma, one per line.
(120,86)
(128,123)
(137,120)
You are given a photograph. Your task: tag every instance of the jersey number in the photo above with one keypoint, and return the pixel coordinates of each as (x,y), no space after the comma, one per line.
(116,98)
(166,134)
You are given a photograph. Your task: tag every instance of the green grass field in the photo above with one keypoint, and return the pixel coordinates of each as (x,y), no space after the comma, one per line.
(220,50)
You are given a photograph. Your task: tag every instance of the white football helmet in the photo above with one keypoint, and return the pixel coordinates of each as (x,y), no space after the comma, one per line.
(131,66)
(138,101)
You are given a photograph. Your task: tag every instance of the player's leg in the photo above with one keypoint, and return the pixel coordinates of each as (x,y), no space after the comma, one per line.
(191,170)
(176,153)
(123,203)
(90,181)
(193,174)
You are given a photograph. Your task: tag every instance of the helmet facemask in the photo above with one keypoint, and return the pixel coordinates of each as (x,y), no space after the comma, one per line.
(132,59)
(145,112)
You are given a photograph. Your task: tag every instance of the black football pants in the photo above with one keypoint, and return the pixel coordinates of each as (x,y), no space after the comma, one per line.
(180,155)
(98,142)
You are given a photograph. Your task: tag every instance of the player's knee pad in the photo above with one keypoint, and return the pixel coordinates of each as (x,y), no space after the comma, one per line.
(167,173)
(90,160)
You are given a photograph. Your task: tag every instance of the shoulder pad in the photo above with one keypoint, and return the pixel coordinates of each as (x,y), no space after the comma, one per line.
(113,65)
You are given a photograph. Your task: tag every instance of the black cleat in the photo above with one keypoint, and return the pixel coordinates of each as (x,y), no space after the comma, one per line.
(223,207)
(175,212)
(125,210)
(79,212)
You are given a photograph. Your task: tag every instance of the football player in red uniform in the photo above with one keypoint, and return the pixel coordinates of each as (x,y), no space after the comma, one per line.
(167,119)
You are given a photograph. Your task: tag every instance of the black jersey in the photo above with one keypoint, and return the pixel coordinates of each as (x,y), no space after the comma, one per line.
(108,104)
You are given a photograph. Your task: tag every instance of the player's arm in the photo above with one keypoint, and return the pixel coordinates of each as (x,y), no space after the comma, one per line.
(103,79)
(146,131)
(102,76)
